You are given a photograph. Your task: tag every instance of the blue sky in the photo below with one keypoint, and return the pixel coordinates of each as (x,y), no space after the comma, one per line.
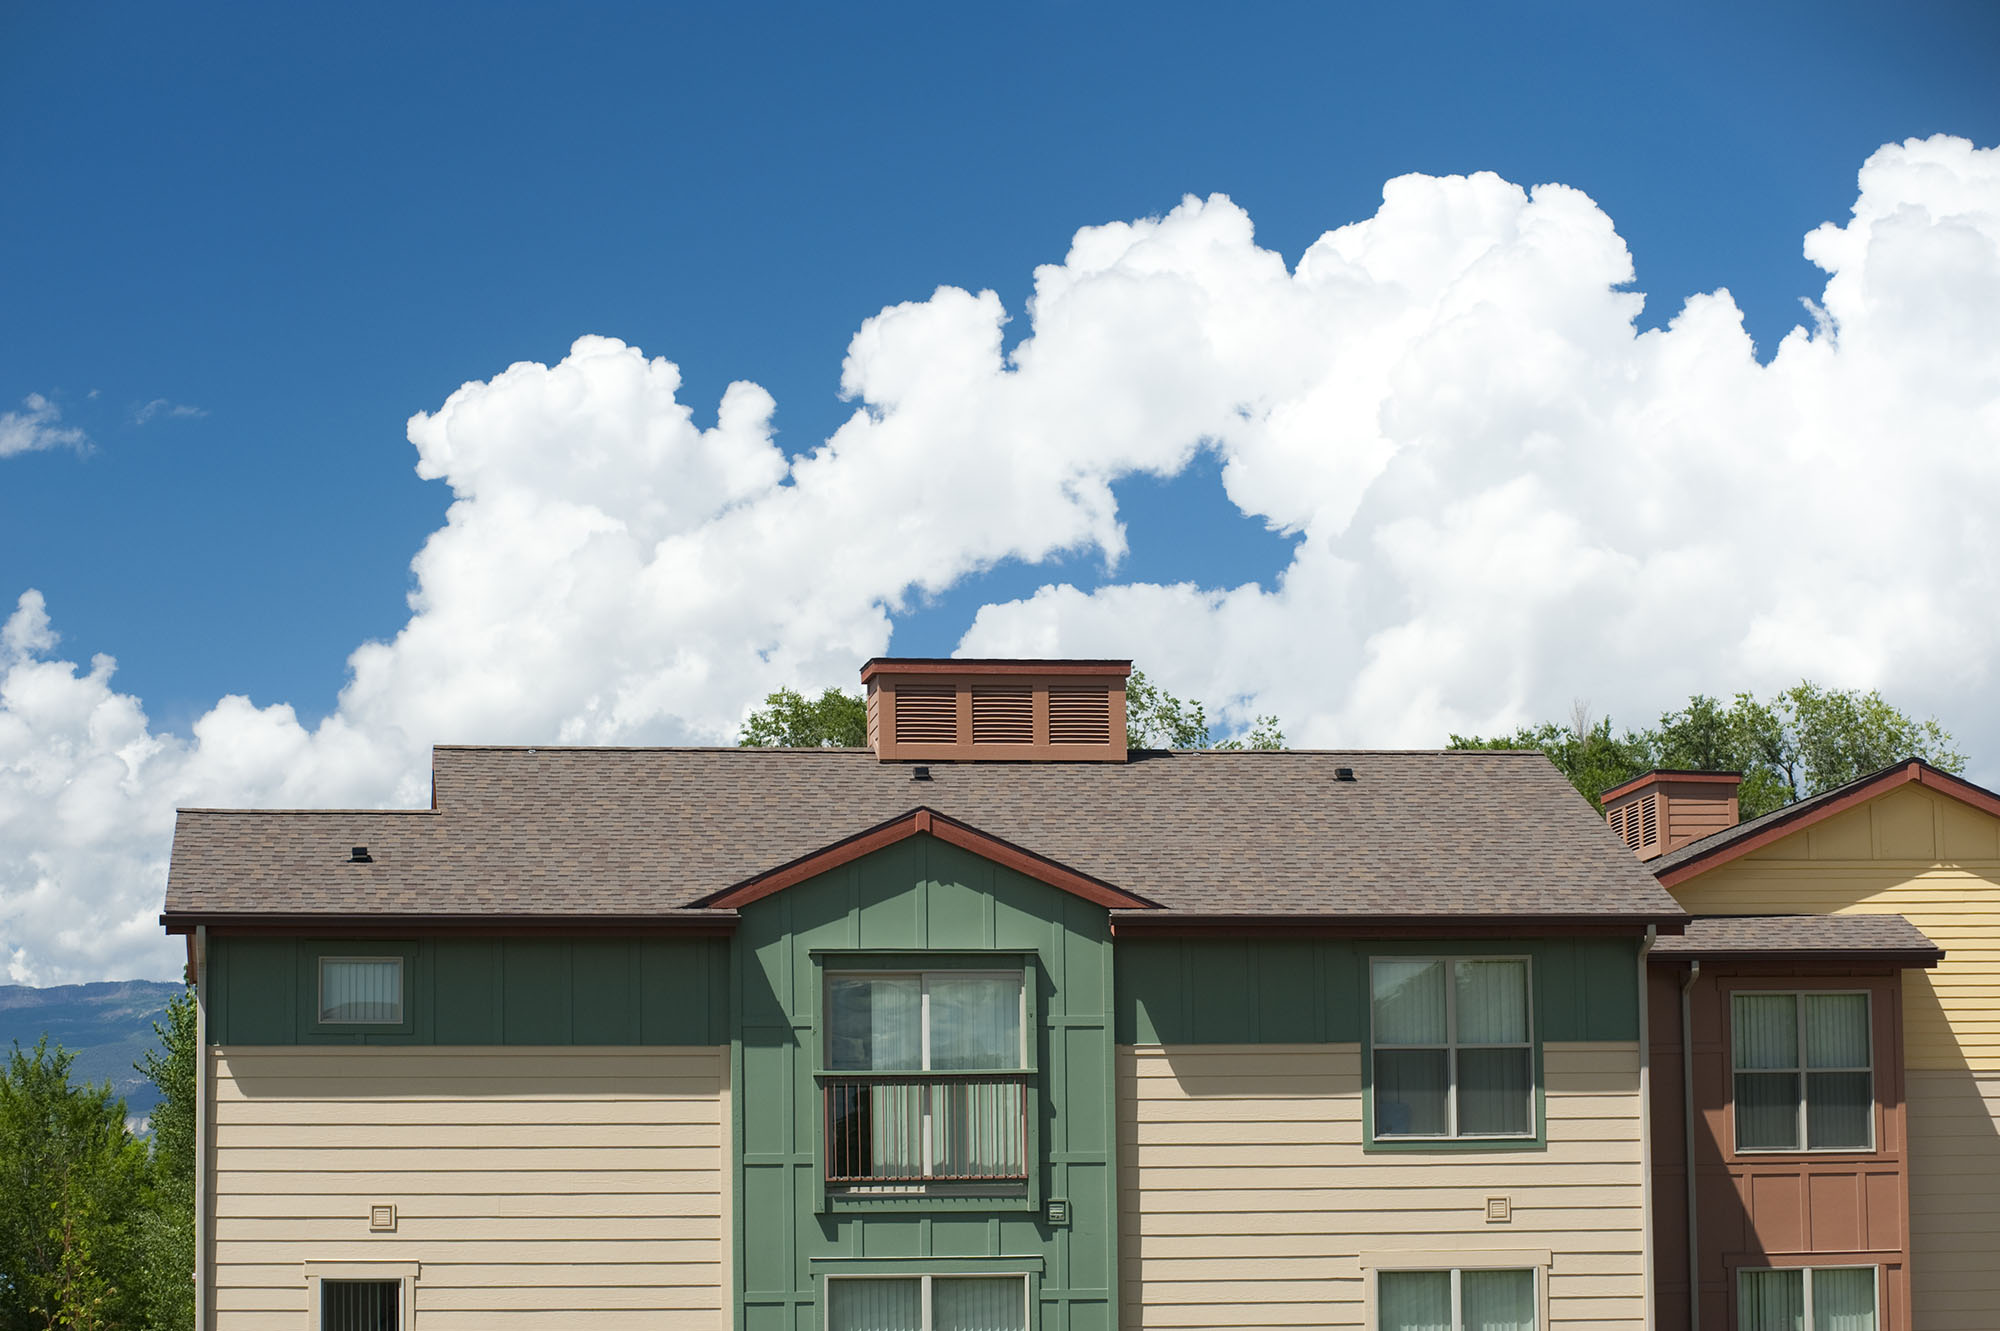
(1378,443)
(310,223)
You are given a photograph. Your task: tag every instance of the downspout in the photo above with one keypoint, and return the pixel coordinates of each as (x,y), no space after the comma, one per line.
(1646,1127)
(201,1265)
(1687,1144)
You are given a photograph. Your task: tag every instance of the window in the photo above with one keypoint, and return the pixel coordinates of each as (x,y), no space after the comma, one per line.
(1455,1300)
(1803,1078)
(1453,1050)
(360,1305)
(927,1303)
(1825,1298)
(926,1077)
(360,990)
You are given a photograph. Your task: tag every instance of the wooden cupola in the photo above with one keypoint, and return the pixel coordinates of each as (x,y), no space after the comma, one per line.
(931,709)
(1665,810)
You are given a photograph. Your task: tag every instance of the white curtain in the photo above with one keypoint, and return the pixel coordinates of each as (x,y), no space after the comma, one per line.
(1413,1301)
(975,1022)
(976,1128)
(1844,1300)
(1495,1091)
(368,989)
(1770,1301)
(1492,1002)
(874,1023)
(1840,1106)
(1497,1300)
(1409,1002)
(896,1130)
(1764,1034)
(875,1305)
(979,1303)
(1765,1031)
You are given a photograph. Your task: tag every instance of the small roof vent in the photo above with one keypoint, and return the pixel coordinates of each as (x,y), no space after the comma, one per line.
(942,709)
(360,855)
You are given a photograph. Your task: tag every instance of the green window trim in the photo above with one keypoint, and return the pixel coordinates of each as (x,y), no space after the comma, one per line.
(1535,1140)
(939,1196)
(318,951)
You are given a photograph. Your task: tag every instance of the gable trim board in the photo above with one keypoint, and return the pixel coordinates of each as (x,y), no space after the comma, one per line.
(1776,826)
(923,821)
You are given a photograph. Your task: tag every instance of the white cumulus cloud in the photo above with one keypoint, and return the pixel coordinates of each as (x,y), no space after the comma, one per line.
(38,427)
(1506,497)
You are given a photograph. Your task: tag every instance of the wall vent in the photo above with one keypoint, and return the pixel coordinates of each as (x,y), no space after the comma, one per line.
(929,710)
(927,714)
(1003,714)
(1079,716)
(1663,811)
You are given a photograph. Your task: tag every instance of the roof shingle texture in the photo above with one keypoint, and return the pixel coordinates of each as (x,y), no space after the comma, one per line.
(1782,935)
(646,832)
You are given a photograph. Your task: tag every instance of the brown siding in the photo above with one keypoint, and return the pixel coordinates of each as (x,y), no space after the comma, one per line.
(1762,1209)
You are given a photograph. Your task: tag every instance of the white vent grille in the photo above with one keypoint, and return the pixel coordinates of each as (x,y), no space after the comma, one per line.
(1003,715)
(1079,716)
(927,714)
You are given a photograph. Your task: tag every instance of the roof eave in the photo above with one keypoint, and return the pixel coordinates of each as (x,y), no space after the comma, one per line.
(693,922)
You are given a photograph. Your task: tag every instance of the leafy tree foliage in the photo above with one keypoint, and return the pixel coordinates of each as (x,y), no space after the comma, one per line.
(789,719)
(1156,719)
(1804,740)
(73,1185)
(167,1226)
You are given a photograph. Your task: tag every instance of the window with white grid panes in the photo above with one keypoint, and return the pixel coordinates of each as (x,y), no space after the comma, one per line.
(1803,1072)
(1452,1042)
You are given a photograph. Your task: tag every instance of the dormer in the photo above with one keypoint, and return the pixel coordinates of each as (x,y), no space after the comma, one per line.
(1665,810)
(948,710)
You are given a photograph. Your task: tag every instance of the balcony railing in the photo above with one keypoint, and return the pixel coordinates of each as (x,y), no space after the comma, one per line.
(932,1128)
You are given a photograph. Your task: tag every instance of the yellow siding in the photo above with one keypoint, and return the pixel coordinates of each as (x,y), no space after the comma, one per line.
(536,1186)
(1936,861)
(1908,853)
(1246,1199)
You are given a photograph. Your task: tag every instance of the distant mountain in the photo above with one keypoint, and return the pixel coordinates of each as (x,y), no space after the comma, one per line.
(108,1026)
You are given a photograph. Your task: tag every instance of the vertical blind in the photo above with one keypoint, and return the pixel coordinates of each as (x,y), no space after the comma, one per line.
(875,1023)
(957,1303)
(1445,1030)
(361,989)
(1826,1299)
(1802,1071)
(359,1305)
(1487,1301)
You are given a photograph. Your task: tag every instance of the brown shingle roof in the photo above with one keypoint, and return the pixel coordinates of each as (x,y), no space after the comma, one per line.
(562,832)
(1778,936)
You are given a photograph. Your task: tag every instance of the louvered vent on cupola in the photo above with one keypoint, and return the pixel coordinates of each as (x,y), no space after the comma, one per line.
(935,710)
(1663,811)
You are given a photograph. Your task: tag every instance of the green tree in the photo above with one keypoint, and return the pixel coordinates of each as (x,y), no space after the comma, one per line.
(1588,754)
(73,1184)
(167,1225)
(789,719)
(1156,719)
(1807,739)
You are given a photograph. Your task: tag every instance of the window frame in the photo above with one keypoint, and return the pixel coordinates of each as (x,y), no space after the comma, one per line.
(1800,1069)
(1536,1264)
(926,1316)
(829,974)
(1532,1139)
(309,992)
(404,1273)
(1873,1268)
(923,1196)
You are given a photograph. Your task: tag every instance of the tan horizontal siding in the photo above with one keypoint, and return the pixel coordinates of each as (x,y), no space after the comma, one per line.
(1954,1180)
(536,1186)
(1246,1199)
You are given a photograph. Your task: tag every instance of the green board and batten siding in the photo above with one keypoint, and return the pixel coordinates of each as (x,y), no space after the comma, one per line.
(922,894)
(484,991)
(1315,991)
